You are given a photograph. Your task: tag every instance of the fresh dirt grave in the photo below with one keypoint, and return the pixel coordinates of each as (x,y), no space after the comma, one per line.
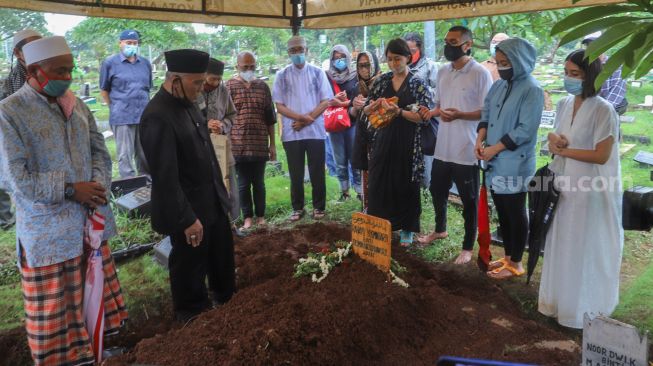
(354,316)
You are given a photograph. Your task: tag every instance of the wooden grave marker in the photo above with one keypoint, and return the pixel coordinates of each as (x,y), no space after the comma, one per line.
(370,238)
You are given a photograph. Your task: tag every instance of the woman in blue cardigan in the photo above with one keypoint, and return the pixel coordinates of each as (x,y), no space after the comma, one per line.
(507,135)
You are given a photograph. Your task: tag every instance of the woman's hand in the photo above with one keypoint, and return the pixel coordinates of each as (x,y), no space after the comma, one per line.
(372,106)
(489,152)
(390,107)
(563,141)
(479,149)
(424,113)
(359,102)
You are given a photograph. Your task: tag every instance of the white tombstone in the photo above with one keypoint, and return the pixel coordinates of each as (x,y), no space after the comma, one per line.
(610,342)
(648,101)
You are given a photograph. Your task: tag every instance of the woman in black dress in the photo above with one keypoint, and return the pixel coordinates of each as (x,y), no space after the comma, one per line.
(396,162)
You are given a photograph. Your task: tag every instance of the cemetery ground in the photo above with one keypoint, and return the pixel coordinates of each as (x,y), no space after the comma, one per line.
(146,288)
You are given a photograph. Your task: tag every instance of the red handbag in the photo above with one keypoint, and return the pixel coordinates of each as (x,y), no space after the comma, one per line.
(336,119)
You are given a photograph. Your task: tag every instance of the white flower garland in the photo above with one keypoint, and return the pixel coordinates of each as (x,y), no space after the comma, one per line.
(319,265)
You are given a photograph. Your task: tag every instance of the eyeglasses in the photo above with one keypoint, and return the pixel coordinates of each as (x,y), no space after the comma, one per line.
(365,66)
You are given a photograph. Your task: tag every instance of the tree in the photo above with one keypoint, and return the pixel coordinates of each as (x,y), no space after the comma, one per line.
(15,20)
(98,37)
(626,27)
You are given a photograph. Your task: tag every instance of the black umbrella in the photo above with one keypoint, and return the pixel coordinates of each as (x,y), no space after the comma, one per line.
(542,201)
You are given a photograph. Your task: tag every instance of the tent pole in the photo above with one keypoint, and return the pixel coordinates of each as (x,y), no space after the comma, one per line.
(295,21)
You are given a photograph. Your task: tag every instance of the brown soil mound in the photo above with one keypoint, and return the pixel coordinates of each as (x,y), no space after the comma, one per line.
(353,317)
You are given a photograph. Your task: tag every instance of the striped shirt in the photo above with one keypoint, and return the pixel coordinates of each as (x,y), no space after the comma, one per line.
(249,134)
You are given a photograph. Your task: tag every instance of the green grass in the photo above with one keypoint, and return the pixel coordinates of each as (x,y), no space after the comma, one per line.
(635,303)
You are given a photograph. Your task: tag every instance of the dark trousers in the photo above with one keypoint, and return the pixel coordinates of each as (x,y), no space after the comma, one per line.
(295,153)
(467,181)
(251,181)
(189,268)
(6,216)
(514,223)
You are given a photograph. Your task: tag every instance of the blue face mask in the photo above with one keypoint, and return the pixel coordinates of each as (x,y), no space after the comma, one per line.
(573,86)
(493,49)
(298,58)
(129,50)
(54,87)
(340,64)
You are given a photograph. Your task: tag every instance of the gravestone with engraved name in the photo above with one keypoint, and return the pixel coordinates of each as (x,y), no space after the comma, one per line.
(136,203)
(607,342)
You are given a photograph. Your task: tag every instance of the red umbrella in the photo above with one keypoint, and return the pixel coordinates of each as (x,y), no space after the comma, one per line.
(484,235)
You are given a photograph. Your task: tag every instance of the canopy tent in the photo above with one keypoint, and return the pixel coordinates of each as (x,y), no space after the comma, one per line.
(312,14)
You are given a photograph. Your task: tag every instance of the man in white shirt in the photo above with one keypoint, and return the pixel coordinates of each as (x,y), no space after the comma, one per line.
(301,93)
(466,83)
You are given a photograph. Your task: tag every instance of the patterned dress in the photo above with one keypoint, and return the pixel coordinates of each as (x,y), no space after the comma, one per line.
(396,162)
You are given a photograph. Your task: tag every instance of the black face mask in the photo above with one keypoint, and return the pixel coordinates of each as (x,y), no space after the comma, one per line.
(181,98)
(453,53)
(506,74)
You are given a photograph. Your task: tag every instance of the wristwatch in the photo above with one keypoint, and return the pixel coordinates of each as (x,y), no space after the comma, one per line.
(69,191)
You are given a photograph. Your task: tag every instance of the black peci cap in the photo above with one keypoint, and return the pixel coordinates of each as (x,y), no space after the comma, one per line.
(216,67)
(187,61)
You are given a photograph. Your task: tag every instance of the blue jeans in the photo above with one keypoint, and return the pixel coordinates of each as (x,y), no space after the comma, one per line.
(343,146)
(330,162)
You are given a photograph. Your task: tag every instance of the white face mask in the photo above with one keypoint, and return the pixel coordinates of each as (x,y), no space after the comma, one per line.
(247,75)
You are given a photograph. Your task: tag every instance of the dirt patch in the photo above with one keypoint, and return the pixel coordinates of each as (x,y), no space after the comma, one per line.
(354,316)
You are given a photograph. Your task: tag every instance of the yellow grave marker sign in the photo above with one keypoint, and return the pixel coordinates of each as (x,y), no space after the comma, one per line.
(370,238)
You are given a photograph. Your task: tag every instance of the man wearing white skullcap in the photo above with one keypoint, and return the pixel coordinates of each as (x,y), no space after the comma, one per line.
(18,76)
(56,165)
(301,93)
(9,86)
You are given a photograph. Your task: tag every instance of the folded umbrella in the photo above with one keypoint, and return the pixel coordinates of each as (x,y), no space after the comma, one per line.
(542,200)
(484,235)
(93,305)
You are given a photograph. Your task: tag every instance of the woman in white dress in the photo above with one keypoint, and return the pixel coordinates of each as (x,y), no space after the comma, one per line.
(582,256)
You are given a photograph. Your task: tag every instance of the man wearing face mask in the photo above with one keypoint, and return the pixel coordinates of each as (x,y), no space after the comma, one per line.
(57,167)
(12,83)
(460,93)
(491,63)
(189,199)
(219,111)
(252,137)
(302,92)
(125,83)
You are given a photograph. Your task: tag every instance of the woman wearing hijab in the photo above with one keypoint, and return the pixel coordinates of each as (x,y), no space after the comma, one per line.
(426,69)
(345,87)
(582,254)
(367,67)
(396,162)
(507,135)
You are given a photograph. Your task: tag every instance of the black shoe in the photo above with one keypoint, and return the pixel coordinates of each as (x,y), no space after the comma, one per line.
(344,196)
(185,317)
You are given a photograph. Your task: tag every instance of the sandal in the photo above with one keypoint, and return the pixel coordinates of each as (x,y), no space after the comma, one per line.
(496,264)
(406,238)
(514,272)
(318,214)
(296,215)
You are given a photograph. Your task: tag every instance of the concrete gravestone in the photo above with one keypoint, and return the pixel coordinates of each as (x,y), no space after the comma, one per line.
(607,342)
